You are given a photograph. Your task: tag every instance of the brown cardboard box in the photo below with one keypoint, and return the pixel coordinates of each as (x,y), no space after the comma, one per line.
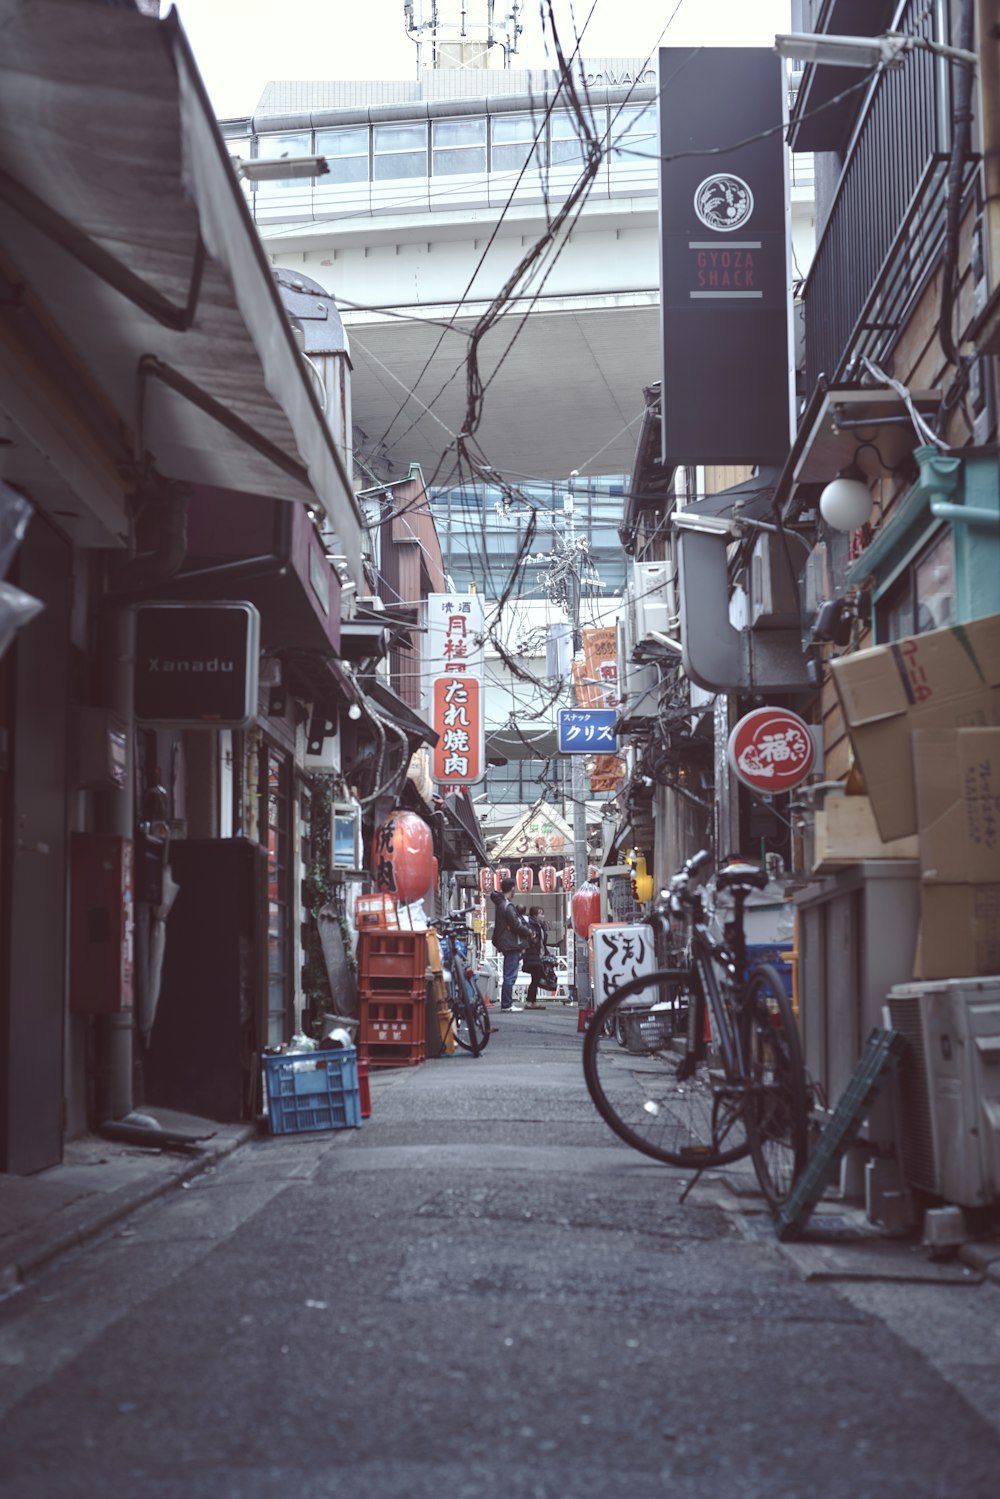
(959,931)
(957,777)
(846,832)
(942,680)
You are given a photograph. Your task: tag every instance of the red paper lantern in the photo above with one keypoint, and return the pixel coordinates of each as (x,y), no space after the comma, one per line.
(592,873)
(403,852)
(568,877)
(485,880)
(586,909)
(498,875)
(547,877)
(525,878)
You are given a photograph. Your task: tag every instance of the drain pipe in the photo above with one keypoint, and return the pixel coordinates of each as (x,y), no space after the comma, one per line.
(939,476)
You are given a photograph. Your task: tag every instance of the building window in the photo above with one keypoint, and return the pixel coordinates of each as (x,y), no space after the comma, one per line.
(923,597)
(511,140)
(400,151)
(517,782)
(296,143)
(634,132)
(458,146)
(346,152)
(566,142)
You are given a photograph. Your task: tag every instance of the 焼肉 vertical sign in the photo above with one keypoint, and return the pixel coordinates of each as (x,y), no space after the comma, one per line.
(454,692)
(724,256)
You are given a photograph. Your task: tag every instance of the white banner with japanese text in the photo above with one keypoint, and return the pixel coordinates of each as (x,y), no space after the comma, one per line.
(454,690)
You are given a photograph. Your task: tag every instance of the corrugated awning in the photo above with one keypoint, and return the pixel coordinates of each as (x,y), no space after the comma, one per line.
(127,238)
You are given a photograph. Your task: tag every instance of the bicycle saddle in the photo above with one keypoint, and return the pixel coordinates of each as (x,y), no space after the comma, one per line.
(741,877)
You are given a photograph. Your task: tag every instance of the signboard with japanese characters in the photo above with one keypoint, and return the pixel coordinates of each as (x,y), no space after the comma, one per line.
(454,686)
(619,953)
(771,750)
(587,731)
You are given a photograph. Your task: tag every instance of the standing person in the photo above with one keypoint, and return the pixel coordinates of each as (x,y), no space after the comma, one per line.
(533,960)
(511,933)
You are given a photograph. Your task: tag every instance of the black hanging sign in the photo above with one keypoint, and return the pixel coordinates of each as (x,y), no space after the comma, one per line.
(725,288)
(197,665)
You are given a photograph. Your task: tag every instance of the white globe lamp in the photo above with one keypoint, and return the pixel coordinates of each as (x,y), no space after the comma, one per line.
(846,502)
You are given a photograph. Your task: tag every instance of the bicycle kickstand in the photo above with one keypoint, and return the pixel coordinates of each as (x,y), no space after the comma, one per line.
(692,1183)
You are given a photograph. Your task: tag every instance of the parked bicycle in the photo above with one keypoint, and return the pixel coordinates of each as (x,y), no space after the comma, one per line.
(470,1015)
(699,1064)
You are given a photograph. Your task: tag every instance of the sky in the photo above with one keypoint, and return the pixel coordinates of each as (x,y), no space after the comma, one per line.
(241,45)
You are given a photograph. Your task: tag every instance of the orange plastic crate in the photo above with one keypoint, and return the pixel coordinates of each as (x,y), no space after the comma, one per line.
(392,955)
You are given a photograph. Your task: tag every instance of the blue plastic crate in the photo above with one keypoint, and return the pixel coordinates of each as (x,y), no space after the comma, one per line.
(312,1090)
(778,957)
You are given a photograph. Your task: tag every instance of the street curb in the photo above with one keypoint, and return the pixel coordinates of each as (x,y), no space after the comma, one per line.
(35,1248)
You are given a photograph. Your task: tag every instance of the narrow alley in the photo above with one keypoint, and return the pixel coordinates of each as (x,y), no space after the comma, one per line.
(482,1292)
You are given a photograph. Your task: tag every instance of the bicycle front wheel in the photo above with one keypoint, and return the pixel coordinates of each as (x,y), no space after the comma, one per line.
(472,1018)
(777,1111)
(653,1078)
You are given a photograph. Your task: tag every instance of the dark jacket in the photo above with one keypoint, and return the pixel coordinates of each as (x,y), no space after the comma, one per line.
(511,932)
(535,953)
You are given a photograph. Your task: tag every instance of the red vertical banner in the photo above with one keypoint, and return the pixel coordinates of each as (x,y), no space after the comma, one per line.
(457,716)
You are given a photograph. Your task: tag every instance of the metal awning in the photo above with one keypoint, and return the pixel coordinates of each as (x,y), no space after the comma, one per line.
(127,244)
(460,814)
(388,705)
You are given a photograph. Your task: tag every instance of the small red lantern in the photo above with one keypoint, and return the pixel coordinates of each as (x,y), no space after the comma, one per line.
(498,875)
(525,878)
(485,880)
(403,851)
(547,878)
(568,877)
(586,909)
(592,873)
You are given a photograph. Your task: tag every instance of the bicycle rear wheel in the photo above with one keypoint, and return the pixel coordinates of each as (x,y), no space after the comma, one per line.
(651,1074)
(472,1018)
(777,1111)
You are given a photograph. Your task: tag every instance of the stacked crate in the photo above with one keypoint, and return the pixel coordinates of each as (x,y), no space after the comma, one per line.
(391,979)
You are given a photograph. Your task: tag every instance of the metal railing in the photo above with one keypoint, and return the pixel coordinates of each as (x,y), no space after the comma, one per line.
(886,223)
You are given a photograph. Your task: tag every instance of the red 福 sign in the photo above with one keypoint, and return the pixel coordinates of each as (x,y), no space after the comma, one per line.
(771,750)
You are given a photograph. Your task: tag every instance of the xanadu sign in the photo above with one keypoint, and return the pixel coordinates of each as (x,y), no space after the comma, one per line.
(454,686)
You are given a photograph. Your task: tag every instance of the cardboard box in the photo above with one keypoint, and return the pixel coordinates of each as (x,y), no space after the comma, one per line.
(957,778)
(846,832)
(959,931)
(945,679)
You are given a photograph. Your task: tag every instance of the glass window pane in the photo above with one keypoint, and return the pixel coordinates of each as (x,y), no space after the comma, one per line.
(459,132)
(466,159)
(298,143)
(563,125)
(934,586)
(342,142)
(508,128)
(510,158)
(346,169)
(401,164)
(567,150)
(400,137)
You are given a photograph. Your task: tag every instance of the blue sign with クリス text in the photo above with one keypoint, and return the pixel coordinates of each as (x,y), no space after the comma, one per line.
(587,731)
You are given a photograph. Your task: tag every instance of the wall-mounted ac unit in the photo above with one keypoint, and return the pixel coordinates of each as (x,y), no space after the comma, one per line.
(774,590)
(950,1086)
(637,683)
(655,601)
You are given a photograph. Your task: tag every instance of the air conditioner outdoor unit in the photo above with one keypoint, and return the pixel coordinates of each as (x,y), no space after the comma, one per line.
(637,683)
(774,589)
(655,600)
(950,1086)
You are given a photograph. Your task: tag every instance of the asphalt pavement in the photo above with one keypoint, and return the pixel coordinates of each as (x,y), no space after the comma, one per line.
(478,1292)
